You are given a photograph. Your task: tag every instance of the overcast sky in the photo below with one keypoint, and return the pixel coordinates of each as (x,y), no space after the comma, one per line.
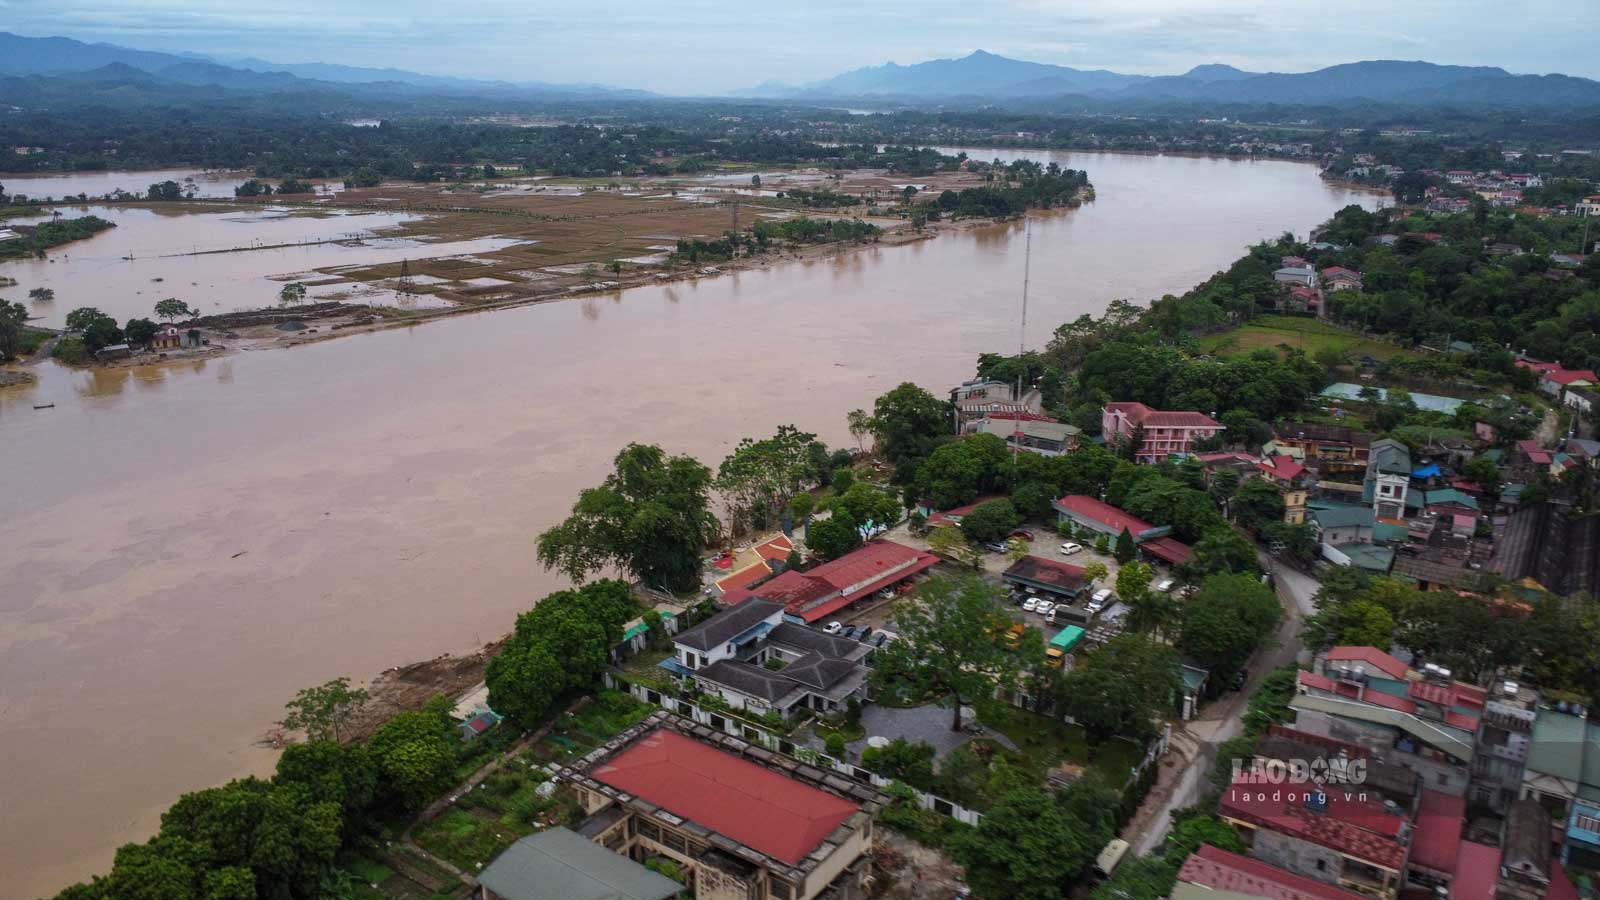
(702,46)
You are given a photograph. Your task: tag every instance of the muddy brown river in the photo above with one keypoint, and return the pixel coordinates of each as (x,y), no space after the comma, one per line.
(184,547)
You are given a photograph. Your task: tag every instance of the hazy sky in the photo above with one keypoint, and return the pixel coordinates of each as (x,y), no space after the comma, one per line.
(700,46)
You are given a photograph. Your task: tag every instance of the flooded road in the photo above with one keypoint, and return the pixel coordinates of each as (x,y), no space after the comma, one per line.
(185,547)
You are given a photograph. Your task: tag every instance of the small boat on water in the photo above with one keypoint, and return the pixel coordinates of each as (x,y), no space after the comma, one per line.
(44,406)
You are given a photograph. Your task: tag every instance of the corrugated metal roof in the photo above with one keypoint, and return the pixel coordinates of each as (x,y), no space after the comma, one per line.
(560,863)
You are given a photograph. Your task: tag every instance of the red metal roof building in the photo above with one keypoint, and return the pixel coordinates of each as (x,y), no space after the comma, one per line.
(1223,871)
(1369,656)
(1477,870)
(757,807)
(1436,842)
(738,819)
(834,585)
(1169,550)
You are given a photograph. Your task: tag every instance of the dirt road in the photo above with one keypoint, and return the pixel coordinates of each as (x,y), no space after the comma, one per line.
(1196,744)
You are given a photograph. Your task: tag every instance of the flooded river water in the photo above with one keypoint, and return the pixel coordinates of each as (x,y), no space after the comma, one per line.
(184,547)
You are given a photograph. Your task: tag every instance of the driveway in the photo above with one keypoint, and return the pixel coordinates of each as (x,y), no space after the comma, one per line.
(1196,743)
(929,724)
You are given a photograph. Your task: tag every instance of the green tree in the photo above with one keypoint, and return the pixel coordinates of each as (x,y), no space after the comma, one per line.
(861,427)
(990,521)
(908,423)
(1029,846)
(323,711)
(1122,688)
(957,472)
(1226,620)
(98,329)
(1032,499)
(13,316)
(949,641)
(139,331)
(165,190)
(802,506)
(293,293)
(558,648)
(759,478)
(650,518)
(1126,548)
(1219,551)
(832,537)
(41,294)
(842,480)
(902,760)
(172,309)
(1257,504)
(415,755)
(949,542)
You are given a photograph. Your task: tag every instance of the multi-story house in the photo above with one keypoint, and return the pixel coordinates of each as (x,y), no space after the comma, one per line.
(1161,432)
(982,397)
(1562,774)
(1423,721)
(729,655)
(741,822)
(1388,478)
(1504,739)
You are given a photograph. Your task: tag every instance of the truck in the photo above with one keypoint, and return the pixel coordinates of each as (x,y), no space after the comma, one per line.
(1107,861)
(1013,636)
(1055,654)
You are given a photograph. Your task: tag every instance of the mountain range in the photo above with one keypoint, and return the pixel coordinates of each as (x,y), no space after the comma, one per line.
(52,70)
(59,57)
(988,76)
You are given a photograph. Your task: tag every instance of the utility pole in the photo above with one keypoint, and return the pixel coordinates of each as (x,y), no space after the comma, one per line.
(1022,341)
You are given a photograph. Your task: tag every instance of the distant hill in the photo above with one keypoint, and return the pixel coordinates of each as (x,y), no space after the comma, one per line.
(59,56)
(976,74)
(987,76)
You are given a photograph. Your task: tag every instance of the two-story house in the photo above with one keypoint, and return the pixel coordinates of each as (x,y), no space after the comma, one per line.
(741,822)
(753,659)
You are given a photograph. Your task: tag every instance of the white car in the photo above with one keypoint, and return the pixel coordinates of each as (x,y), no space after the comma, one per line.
(1031,604)
(1165,585)
(1070,548)
(1099,600)
(1045,608)
(832,628)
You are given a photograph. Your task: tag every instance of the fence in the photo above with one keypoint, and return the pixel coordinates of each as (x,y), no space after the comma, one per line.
(748,731)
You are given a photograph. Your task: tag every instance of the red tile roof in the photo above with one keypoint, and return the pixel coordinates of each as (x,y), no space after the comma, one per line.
(1477,871)
(1437,838)
(1334,745)
(1538,365)
(835,585)
(1168,550)
(777,548)
(1358,828)
(1224,871)
(953,516)
(1568,376)
(1104,513)
(1284,467)
(779,816)
(1048,571)
(1139,414)
(1370,656)
(744,577)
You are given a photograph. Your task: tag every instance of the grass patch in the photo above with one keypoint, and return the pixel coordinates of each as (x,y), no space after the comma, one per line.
(465,840)
(1044,742)
(1311,335)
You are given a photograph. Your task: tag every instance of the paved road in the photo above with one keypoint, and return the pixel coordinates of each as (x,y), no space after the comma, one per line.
(1197,742)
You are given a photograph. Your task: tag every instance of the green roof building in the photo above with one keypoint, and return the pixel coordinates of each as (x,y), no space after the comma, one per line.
(561,863)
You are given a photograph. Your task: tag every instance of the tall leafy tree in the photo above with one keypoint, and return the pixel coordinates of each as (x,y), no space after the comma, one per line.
(323,711)
(650,518)
(1226,620)
(949,642)
(759,478)
(1122,688)
(909,422)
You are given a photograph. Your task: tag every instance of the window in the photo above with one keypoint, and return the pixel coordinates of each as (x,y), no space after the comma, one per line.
(674,841)
(1322,865)
(780,890)
(647,829)
(1444,778)
(1586,822)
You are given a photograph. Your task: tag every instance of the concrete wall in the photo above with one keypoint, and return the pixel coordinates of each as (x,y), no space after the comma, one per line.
(1297,856)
